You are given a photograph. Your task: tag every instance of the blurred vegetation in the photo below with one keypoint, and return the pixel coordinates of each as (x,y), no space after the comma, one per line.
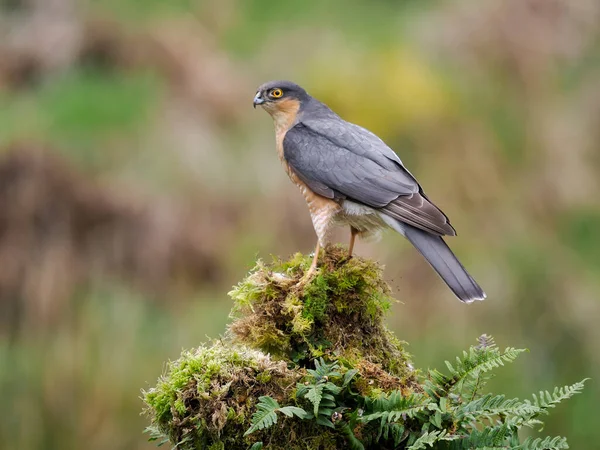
(137,185)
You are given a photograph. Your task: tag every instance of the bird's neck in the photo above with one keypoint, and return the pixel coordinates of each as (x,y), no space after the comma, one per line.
(284,115)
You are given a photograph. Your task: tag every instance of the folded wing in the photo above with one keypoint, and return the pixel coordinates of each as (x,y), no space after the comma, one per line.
(340,160)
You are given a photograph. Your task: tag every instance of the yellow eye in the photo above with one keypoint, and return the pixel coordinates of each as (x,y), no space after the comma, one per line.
(276,93)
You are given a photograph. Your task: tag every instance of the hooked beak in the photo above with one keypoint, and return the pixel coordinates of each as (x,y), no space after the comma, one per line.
(258,100)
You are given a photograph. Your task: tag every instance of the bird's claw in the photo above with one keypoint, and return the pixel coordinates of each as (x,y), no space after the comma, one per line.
(306,278)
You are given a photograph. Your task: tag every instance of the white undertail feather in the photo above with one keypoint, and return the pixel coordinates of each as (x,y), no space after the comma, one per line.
(363,218)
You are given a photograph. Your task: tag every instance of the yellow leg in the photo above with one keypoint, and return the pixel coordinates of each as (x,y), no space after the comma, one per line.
(313,266)
(353,233)
(311,271)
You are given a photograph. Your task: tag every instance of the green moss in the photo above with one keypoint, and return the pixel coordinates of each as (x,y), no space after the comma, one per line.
(316,299)
(206,397)
(217,446)
(263,377)
(339,314)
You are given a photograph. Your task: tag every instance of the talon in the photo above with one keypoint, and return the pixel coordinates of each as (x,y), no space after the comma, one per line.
(306,278)
(310,274)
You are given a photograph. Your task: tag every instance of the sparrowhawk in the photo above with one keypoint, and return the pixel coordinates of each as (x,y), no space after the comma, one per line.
(349,176)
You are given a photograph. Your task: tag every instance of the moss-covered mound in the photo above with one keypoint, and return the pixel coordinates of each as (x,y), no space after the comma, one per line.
(206,399)
(339,314)
(336,378)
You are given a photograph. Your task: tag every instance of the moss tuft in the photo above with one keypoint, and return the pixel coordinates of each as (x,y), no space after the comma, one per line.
(339,314)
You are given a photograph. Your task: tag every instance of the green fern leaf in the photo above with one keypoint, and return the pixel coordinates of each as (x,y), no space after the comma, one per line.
(257,446)
(348,376)
(265,416)
(323,369)
(332,388)
(549,443)
(394,431)
(465,373)
(477,363)
(427,439)
(353,442)
(496,437)
(490,407)
(322,420)
(394,406)
(291,411)
(436,419)
(315,395)
(547,400)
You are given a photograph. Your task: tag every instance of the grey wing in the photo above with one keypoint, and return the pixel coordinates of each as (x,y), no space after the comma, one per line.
(340,160)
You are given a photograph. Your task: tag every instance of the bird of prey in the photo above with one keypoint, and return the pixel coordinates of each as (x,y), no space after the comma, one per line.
(349,176)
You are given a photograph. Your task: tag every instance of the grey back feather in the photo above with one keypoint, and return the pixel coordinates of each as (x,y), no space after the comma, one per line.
(338,160)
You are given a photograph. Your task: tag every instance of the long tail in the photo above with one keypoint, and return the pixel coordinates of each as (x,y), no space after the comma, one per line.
(438,254)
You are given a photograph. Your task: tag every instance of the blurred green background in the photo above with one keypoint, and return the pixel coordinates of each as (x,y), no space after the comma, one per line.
(137,184)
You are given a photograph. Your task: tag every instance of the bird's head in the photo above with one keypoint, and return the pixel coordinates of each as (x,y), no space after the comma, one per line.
(280,97)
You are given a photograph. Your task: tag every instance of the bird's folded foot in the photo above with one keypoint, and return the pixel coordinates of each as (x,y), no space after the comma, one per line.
(312,270)
(308,276)
(306,279)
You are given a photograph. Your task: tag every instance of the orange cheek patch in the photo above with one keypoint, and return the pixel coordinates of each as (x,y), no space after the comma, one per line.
(287,106)
(284,114)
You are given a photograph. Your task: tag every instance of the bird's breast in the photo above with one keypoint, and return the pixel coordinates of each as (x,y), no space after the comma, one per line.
(322,210)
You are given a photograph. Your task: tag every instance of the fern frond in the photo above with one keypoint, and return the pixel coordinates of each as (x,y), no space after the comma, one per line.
(514,412)
(315,394)
(349,376)
(496,437)
(549,443)
(395,406)
(323,369)
(465,372)
(429,438)
(477,362)
(490,405)
(391,409)
(353,442)
(331,388)
(546,400)
(437,385)
(291,411)
(394,431)
(322,420)
(265,416)
(155,435)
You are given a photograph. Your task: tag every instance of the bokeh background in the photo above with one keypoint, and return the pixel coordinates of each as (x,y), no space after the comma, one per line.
(137,184)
